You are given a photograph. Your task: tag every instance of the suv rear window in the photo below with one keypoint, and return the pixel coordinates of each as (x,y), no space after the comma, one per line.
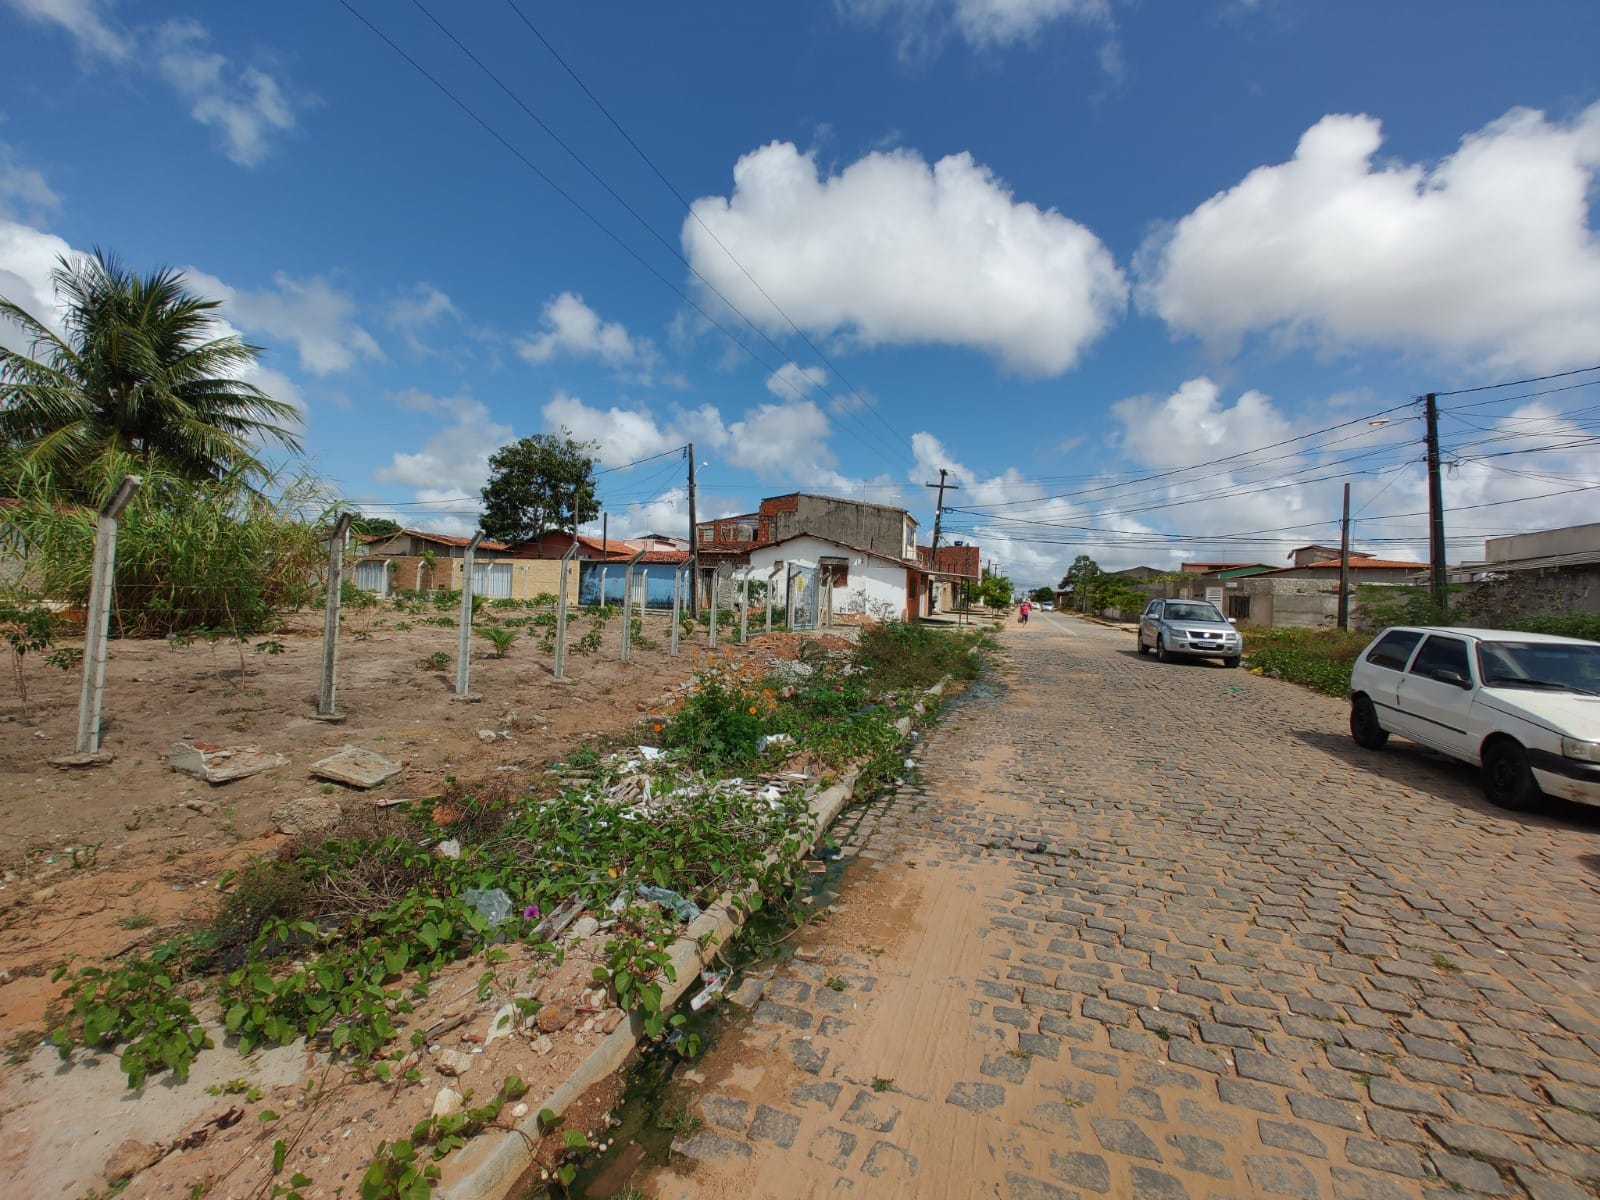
(1394,648)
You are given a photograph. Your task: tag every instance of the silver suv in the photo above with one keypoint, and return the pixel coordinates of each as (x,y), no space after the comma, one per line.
(1189,628)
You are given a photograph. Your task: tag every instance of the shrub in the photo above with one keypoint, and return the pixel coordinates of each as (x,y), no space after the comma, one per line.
(721,722)
(902,655)
(1318,658)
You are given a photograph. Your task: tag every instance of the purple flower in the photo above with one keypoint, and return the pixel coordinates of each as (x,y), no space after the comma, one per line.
(530,912)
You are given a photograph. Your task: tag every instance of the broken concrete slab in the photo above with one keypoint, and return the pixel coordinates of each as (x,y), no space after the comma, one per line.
(221,764)
(311,814)
(89,758)
(356,767)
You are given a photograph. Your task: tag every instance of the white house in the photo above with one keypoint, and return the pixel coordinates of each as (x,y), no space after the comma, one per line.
(863,583)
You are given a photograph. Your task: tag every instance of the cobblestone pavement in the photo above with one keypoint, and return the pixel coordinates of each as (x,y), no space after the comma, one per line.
(1162,931)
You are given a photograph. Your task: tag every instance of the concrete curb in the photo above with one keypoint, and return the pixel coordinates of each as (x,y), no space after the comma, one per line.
(499,1161)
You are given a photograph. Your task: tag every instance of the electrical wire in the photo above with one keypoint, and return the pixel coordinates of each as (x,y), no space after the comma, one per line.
(688,207)
(572,200)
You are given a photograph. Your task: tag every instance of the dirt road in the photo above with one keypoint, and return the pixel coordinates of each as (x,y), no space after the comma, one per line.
(1161,931)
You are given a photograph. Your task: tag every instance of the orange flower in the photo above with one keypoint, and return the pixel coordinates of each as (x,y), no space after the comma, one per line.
(752,710)
(657,727)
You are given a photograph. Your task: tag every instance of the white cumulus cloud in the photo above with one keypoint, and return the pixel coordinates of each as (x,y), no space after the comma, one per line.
(1488,255)
(24,190)
(895,251)
(453,462)
(574,329)
(625,435)
(782,441)
(246,105)
(85,20)
(923,24)
(311,313)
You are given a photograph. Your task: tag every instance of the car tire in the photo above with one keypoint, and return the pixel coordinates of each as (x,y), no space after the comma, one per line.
(1508,781)
(1139,641)
(1364,727)
(1231,661)
(1161,650)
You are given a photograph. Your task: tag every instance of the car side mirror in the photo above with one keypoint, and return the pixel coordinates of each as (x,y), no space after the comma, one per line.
(1233,620)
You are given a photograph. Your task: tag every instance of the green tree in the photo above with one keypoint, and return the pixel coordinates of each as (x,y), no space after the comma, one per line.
(535,484)
(374,526)
(1083,572)
(1040,595)
(993,591)
(141,371)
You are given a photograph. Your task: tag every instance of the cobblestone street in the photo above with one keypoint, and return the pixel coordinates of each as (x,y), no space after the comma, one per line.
(1162,931)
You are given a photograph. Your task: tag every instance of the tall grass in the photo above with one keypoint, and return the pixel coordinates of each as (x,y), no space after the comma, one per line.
(206,556)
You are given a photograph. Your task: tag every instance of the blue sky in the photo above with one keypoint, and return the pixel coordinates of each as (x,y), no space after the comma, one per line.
(1151,280)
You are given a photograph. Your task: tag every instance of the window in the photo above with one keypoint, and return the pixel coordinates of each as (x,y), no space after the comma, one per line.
(705,534)
(1441,654)
(1394,649)
(1239,607)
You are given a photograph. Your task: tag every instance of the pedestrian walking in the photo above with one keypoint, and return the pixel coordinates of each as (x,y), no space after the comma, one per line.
(1022,613)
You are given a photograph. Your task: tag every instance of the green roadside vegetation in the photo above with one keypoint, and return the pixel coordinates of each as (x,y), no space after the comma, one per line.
(336,938)
(1321,659)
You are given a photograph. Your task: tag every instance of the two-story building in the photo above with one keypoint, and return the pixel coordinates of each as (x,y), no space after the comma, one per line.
(839,543)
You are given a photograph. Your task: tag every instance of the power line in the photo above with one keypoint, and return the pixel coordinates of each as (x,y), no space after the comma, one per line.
(614,194)
(688,207)
(1211,464)
(1490,387)
(569,198)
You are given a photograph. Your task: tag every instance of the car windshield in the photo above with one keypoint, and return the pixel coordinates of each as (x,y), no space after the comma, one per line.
(1543,666)
(1193,612)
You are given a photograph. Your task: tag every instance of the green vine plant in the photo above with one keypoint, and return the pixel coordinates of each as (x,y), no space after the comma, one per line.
(337,940)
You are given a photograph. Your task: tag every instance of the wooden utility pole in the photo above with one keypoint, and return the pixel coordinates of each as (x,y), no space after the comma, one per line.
(330,617)
(938,519)
(694,545)
(1344,564)
(102,577)
(1436,552)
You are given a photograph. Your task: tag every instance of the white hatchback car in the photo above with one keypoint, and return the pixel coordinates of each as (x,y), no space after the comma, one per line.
(1525,707)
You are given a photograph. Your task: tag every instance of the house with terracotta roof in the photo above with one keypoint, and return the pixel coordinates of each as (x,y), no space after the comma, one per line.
(423,561)
(602,562)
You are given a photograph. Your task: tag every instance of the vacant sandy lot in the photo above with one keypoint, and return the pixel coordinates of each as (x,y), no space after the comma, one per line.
(99,862)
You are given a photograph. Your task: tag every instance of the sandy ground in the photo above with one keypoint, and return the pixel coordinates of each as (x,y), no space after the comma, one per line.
(101,862)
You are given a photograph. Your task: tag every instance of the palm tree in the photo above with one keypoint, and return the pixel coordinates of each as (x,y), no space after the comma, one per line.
(141,372)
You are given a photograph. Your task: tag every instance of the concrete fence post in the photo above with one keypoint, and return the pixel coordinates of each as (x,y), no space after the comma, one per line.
(677,606)
(627,607)
(772,587)
(711,610)
(97,626)
(464,647)
(561,613)
(744,608)
(326,695)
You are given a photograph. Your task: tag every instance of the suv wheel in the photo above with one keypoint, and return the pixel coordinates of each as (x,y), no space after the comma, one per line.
(1161,649)
(1231,661)
(1139,641)
(1364,727)
(1508,781)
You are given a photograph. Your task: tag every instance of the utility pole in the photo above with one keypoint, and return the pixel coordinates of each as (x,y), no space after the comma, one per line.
(694,545)
(938,518)
(1436,563)
(1344,564)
